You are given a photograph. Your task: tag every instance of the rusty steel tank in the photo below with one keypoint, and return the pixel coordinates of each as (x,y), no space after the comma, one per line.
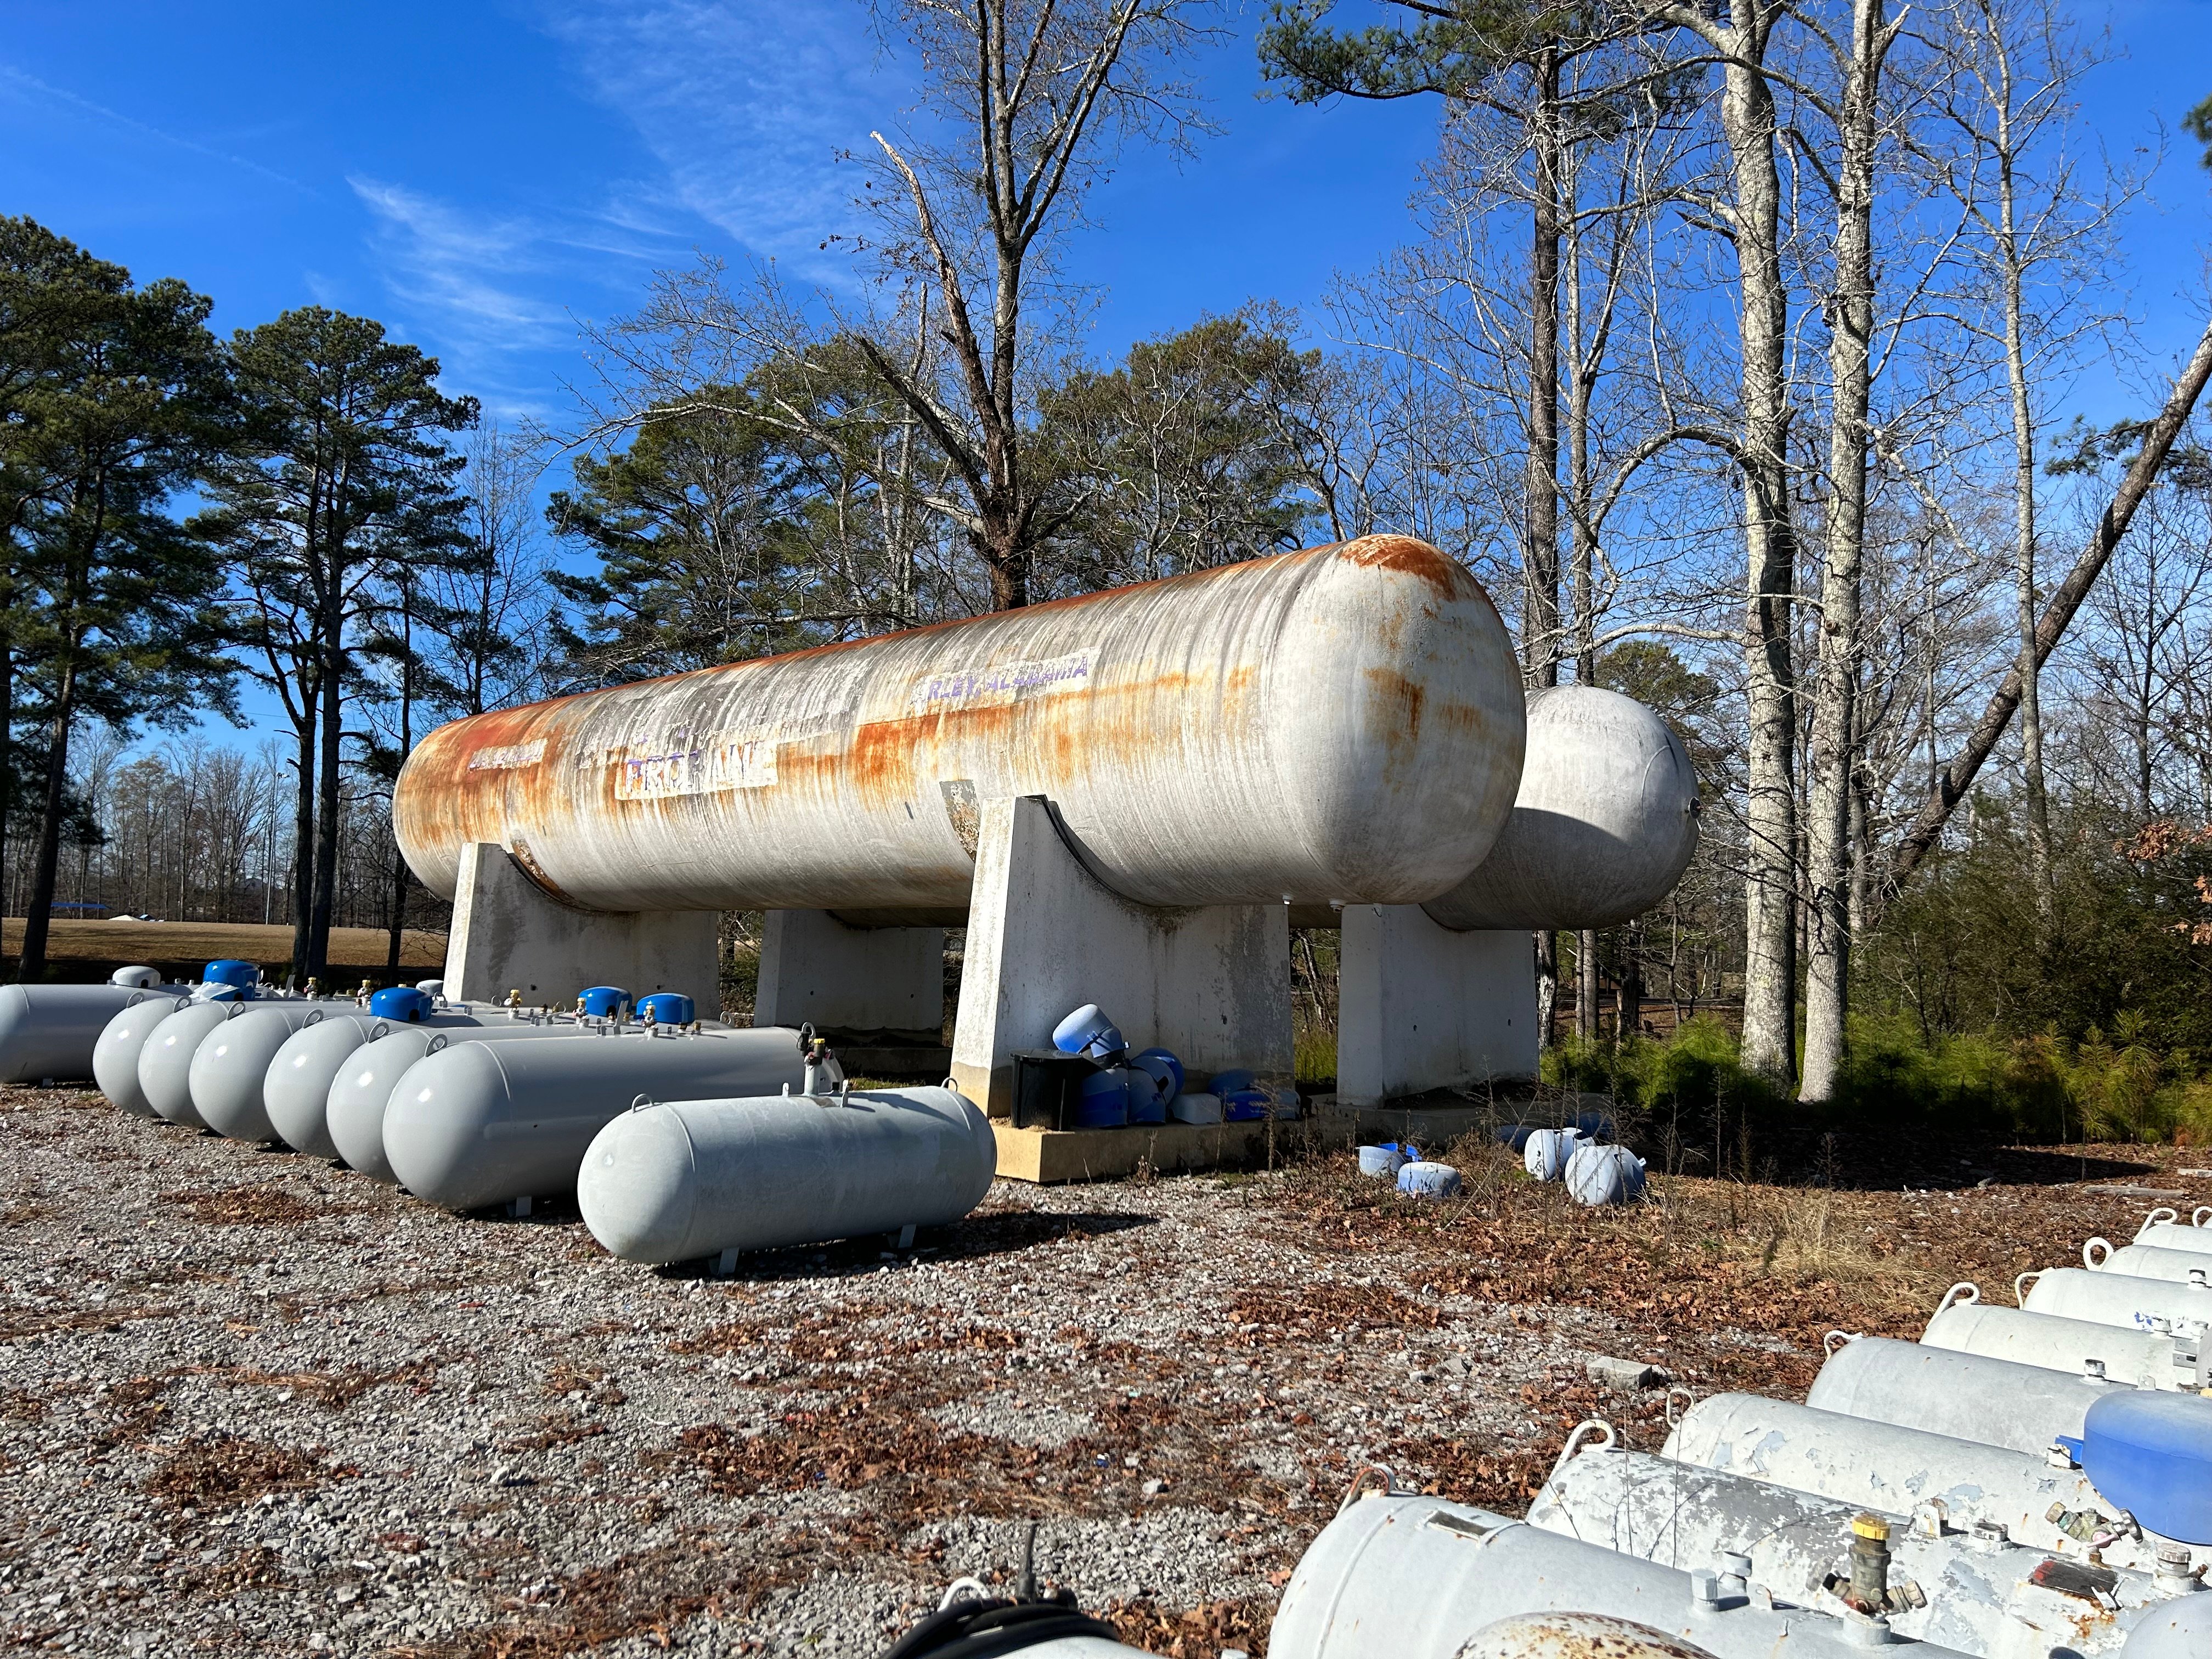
(1344,723)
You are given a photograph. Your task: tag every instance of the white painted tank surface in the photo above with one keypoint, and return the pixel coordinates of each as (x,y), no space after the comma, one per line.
(1968,1396)
(1981,1594)
(165,1063)
(295,1087)
(696,1177)
(354,1109)
(122,1040)
(2111,1299)
(2164,1228)
(2146,1360)
(1344,723)
(51,1030)
(2179,1629)
(479,1124)
(1897,1471)
(1604,824)
(1406,1578)
(2147,1262)
(227,1068)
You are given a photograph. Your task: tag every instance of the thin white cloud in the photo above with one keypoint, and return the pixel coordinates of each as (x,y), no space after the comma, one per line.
(31,84)
(745,107)
(453,264)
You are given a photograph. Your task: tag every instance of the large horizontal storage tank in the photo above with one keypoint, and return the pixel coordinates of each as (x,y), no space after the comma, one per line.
(1976,1593)
(1403,1577)
(51,1030)
(1603,824)
(1968,1396)
(1853,1460)
(1344,723)
(481,1123)
(694,1178)
(2146,1359)
(354,1107)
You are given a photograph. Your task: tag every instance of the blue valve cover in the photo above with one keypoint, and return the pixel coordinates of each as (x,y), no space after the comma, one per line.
(229,970)
(667,1008)
(401,1002)
(2151,1452)
(604,1001)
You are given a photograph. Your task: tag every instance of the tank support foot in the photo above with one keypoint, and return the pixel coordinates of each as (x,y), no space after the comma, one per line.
(726,1264)
(816,970)
(1212,984)
(905,1238)
(517,1207)
(510,934)
(1421,1007)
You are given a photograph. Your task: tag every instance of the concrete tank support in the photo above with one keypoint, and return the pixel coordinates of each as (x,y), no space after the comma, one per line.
(1211,984)
(1422,1007)
(815,970)
(508,935)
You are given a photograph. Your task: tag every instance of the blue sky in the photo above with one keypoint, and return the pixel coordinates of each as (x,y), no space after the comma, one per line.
(481,175)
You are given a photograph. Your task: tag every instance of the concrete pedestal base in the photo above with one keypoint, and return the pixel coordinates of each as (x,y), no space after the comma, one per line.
(1421,1007)
(508,935)
(1044,937)
(815,970)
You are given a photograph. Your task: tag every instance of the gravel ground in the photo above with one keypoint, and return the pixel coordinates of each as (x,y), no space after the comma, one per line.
(250,1403)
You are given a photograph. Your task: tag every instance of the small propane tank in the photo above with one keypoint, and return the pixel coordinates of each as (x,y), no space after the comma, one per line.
(1546,1152)
(138,978)
(1599,1175)
(2164,1228)
(2148,1261)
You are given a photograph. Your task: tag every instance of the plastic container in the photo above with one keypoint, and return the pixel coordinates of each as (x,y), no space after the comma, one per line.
(668,1008)
(602,1002)
(1088,1031)
(1604,1175)
(1246,1105)
(1147,1104)
(1546,1152)
(1195,1109)
(2151,1453)
(1152,1058)
(1104,1102)
(1226,1084)
(404,1003)
(1427,1180)
(1382,1162)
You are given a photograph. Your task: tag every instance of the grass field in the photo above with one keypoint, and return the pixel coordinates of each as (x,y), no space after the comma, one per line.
(163,942)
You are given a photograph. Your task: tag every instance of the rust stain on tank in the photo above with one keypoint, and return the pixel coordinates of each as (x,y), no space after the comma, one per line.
(1410,557)
(1402,700)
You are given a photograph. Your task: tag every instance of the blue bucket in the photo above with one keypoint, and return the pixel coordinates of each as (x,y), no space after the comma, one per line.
(1088,1031)
(1151,1059)
(1425,1180)
(1104,1102)
(1245,1105)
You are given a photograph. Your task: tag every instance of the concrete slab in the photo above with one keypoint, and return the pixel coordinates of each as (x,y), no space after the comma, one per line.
(1422,1007)
(815,970)
(1044,937)
(509,933)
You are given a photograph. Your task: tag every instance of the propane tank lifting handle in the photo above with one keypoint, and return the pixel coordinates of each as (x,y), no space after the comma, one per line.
(1835,1340)
(1959,1295)
(1587,1429)
(2165,1214)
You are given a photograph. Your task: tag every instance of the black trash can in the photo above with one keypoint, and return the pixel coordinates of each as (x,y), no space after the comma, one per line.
(1047,1085)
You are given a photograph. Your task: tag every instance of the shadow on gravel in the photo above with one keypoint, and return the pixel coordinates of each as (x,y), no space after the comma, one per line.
(997,1233)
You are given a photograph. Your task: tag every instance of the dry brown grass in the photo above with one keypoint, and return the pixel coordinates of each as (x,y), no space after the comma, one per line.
(361,948)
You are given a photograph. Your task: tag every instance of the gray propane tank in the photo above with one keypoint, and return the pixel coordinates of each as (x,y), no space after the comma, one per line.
(2110,1298)
(227,1068)
(2165,1228)
(295,1087)
(1575,1636)
(1964,1323)
(122,1040)
(1976,1592)
(165,1063)
(2180,1629)
(2147,1262)
(1999,1402)
(695,1178)
(481,1123)
(2042,1503)
(51,1030)
(1397,1576)
(354,1109)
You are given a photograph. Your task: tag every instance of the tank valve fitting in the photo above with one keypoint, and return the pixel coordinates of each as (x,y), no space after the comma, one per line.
(2085,1526)
(1735,1573)
(513,998)
(1704,1590)
(2175,1576)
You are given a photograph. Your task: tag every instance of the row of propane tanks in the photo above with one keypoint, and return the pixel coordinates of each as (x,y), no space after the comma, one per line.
(681,1138)
(2022,1483)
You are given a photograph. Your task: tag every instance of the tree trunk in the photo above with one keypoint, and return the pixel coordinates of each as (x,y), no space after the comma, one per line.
(1540,620)
(1850,369)
(1586,986)
(2023,503)
(39,911)
(1748,118)
(303,845)
(1547,985)
(326,836)
(1951,784)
